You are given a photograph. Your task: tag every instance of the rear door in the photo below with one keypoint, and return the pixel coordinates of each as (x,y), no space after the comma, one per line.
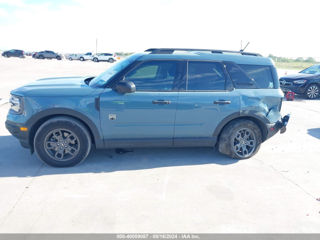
(208,98)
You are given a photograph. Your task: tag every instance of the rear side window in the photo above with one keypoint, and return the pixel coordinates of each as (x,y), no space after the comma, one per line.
(205,76)
(154,76)
(262,75)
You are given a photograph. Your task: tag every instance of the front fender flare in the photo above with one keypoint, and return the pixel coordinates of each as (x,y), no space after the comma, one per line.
(46,114)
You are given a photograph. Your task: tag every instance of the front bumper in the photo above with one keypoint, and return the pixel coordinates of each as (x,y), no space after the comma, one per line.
(280,125)
(14,129)
(298,89)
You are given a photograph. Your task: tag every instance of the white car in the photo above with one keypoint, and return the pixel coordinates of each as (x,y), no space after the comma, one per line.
(73,56)
(109,57)
(86,56)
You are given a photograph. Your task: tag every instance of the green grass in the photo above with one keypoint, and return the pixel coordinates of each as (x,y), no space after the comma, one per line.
(293,65)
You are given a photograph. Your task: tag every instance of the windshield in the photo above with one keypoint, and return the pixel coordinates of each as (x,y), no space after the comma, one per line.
(104,77)
(315,69)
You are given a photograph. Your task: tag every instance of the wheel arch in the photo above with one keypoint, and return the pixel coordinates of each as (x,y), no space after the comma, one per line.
(37,120)
(261,123)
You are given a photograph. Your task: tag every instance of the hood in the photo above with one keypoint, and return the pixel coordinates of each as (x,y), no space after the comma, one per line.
(297,76)
(62,86)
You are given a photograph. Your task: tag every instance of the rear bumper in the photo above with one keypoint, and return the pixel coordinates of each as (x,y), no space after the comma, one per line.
(280,125)
(14,129)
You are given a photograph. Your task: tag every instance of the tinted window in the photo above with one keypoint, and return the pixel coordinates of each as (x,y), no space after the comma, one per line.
(154,76)
(315,69)
(205,76)
(262,75)
(239,77)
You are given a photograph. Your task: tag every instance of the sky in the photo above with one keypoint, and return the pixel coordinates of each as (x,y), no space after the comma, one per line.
(278,27)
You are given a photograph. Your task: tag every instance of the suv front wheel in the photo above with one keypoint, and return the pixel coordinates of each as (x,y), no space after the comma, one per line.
(62,142)
(240,139)
(313,91)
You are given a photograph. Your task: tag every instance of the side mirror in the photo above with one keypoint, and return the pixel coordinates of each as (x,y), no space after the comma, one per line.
(125,87)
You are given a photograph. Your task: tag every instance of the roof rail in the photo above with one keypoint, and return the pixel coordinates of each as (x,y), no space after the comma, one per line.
(171,50)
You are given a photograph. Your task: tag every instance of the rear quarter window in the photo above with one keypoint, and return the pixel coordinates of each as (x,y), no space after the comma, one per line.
(262,75)
(251,76)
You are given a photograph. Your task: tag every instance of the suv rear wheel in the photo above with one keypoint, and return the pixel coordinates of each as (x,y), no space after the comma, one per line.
(240,139)
(62,142)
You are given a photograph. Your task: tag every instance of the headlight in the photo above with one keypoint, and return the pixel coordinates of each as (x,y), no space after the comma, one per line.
(299,81)
(16,104)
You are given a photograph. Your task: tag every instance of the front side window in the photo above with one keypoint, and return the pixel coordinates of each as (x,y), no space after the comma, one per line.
(154,76)
(205,76)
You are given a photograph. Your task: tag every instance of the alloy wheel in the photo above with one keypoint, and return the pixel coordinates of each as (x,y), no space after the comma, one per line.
(313,91)
(244,142)
(61,144)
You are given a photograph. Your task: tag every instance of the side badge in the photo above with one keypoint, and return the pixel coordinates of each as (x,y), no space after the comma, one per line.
(112,116)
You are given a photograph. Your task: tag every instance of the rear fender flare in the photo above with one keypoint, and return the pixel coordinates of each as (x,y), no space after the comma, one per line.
(253,116)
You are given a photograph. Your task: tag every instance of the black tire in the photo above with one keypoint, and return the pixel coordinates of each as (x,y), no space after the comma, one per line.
(70,58)
(111,60)
(41,57)
(62,142)
(313,91)
(58,57)
(81,59)
(236,143)
(95,59)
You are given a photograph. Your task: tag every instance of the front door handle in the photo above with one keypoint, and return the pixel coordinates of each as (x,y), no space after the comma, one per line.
(222,102)
(161,102)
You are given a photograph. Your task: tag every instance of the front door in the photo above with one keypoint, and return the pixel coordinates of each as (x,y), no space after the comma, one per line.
(145,117)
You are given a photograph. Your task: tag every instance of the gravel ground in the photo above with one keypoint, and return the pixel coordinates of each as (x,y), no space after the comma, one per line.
(161,190)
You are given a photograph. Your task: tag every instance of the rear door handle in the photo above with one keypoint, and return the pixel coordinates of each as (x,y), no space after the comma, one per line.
(222,102)
(161,102)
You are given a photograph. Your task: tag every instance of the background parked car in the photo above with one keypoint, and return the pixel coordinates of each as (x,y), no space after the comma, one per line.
(86,56)
(13,53)
(73,56)
(47,54)
(306,82)
(109,57)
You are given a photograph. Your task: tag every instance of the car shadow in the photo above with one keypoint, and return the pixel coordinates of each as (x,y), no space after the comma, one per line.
(16,161)
(314,132)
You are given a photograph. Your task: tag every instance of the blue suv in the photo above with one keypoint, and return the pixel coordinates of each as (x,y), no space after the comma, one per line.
(162,97)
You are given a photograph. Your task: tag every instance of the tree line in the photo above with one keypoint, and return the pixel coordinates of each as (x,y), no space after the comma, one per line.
(299,59)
